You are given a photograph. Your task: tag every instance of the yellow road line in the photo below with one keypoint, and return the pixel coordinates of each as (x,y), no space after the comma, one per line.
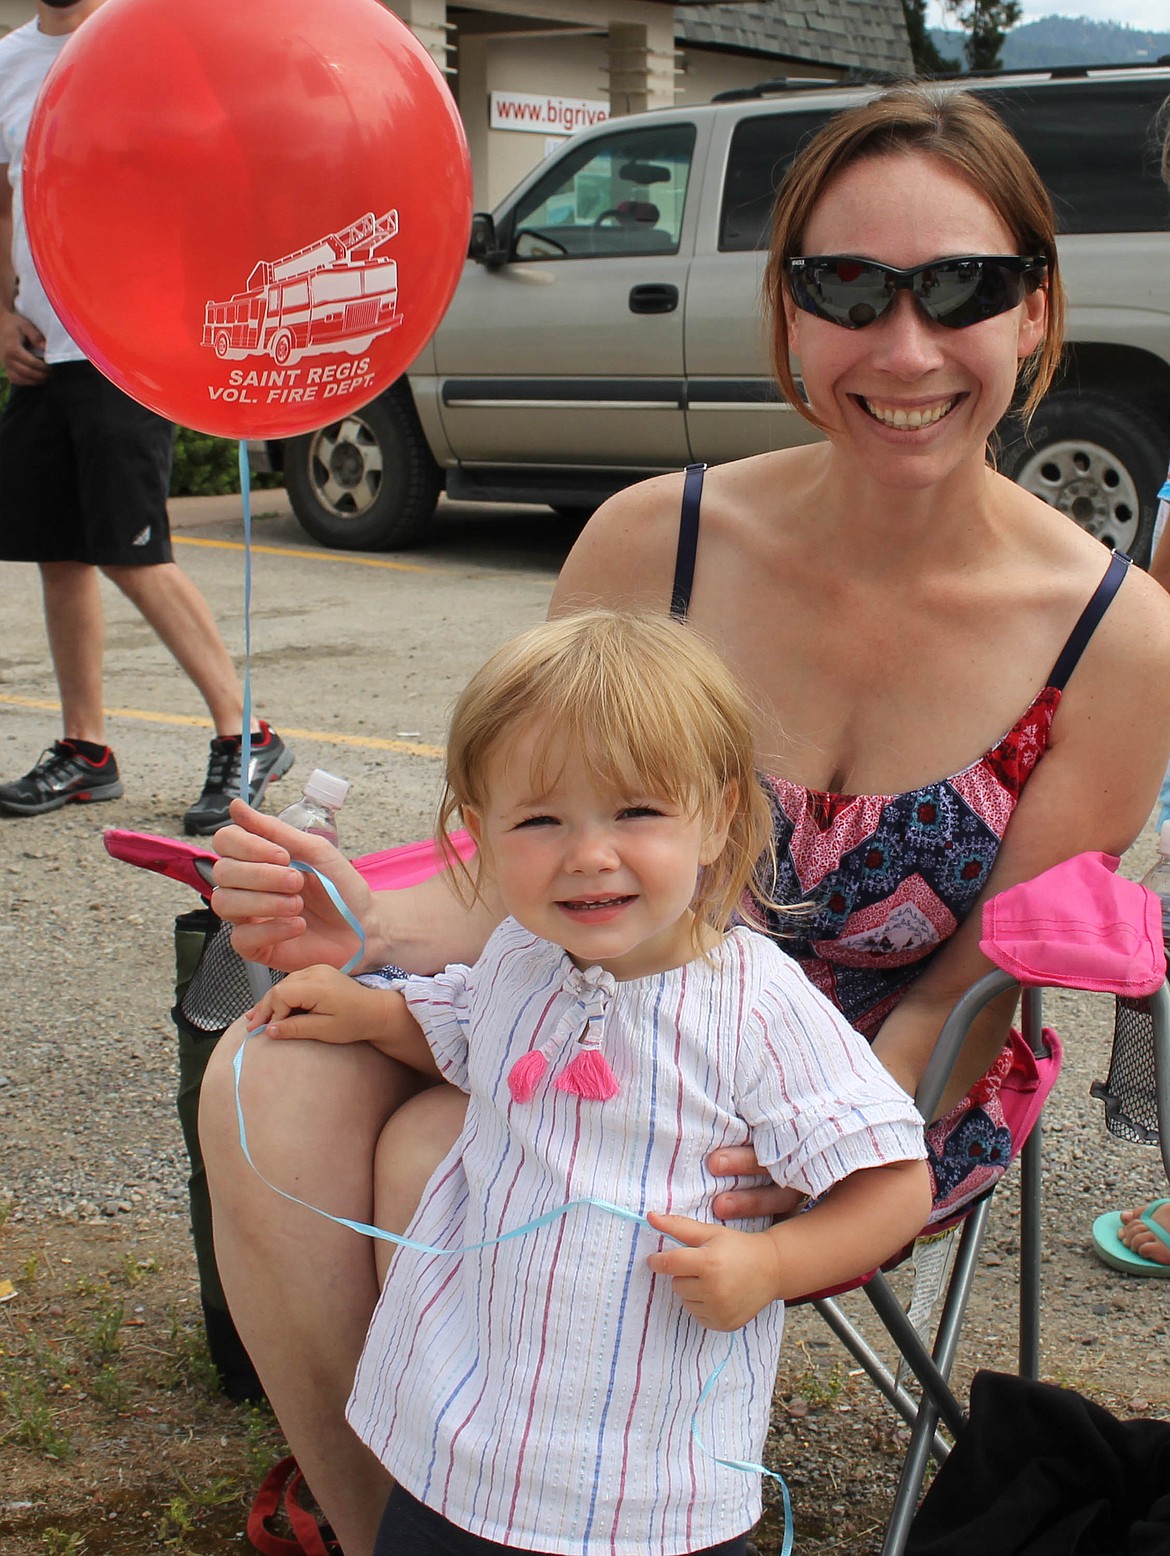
(190,721)
(312,556)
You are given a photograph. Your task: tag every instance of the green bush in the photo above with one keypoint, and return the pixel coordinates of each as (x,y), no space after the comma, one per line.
(204,466)
(207,467)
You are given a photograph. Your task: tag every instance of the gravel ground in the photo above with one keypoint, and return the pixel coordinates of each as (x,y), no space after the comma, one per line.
(92,1175)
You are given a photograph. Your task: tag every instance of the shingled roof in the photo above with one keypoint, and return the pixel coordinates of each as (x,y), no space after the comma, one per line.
(857,34)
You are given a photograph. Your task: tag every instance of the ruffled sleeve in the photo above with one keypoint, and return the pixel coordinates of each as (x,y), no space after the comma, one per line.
(442,1007)
(819,1104)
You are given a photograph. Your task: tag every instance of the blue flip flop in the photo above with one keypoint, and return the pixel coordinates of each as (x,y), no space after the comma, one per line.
(1109,1247)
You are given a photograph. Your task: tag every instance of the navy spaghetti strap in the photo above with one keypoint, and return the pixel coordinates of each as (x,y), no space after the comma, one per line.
(688,542)
(1078,638)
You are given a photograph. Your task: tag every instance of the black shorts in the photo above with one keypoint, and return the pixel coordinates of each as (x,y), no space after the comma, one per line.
(84,473)
(410,1529)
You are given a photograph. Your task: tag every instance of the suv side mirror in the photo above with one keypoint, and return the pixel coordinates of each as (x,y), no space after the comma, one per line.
(484,245)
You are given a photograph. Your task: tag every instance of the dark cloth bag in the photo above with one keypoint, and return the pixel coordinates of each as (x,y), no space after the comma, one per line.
(201,951)
(1042,1471)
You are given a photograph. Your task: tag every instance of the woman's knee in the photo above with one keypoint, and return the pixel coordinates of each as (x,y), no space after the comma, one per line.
(301,1098)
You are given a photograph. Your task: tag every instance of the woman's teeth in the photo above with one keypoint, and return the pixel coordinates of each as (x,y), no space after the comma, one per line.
(897,417)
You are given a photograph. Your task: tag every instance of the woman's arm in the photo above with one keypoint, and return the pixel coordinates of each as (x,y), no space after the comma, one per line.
(284,918)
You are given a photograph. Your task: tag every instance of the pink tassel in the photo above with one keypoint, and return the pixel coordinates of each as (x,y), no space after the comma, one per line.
(588,1076)
(525,1075)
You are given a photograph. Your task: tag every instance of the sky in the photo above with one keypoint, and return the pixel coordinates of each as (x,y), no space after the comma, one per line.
(1151,15)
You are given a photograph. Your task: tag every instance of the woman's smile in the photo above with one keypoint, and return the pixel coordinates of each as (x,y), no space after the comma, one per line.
(908,418)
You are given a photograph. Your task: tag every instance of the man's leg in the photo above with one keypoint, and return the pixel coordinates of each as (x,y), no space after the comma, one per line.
(180,615)
(41,522)
(73,620)
(79,767)
(182,618)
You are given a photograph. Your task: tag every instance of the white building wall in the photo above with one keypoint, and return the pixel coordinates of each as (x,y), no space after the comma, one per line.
(704,72)
(572,67)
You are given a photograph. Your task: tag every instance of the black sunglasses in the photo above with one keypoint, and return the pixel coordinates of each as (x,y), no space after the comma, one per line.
(956,292)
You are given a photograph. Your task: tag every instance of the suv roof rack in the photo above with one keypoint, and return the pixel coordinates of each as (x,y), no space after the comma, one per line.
(1054,72)
(780,84)
(777,85)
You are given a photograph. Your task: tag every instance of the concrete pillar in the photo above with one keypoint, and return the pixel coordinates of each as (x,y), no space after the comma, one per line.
(427,19)
(641,64)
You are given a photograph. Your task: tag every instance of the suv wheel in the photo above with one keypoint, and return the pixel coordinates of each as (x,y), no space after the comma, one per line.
(367,482)
(1099,460)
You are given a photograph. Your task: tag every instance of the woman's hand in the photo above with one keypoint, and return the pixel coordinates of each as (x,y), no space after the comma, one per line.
(281,917)
(763,1198)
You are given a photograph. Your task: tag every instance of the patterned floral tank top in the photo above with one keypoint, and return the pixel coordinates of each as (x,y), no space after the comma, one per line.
(890,877)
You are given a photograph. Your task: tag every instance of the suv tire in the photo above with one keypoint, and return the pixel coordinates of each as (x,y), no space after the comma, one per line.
(367,482)
(1097,459)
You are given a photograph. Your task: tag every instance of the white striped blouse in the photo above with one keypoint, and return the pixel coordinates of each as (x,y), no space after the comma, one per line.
(541,1393)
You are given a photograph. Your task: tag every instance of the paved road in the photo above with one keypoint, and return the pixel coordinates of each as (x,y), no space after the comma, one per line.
(356,657)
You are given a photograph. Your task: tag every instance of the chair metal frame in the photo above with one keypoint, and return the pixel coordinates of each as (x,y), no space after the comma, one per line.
(939,1406)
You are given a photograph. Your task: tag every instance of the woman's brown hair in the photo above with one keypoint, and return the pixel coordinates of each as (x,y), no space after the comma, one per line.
(972,141)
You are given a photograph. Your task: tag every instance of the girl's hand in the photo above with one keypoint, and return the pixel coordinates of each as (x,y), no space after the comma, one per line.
(320,1004)
(722,1277)
(280,917)
(764,1198)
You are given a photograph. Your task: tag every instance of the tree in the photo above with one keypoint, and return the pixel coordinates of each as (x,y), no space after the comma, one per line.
(927,59)
(987,23)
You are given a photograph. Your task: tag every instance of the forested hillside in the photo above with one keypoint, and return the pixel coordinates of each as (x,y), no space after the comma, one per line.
(1067,40)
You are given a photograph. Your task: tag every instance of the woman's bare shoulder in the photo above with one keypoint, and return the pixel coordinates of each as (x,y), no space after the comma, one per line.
(626,554)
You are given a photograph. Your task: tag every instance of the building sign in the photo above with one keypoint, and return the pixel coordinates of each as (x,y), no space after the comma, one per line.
(540,114)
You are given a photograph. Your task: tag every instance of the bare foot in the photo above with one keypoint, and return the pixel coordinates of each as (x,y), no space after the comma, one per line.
(1135,1233)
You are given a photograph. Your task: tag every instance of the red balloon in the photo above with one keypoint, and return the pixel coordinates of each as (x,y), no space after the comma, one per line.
(249,214)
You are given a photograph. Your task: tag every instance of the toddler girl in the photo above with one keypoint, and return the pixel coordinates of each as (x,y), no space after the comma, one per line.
(538,1392)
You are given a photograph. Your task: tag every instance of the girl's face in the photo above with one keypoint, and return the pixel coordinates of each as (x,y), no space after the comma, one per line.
(608,875)
(910,400)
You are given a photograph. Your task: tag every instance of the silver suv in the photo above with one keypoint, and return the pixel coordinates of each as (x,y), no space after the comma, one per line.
(607,324)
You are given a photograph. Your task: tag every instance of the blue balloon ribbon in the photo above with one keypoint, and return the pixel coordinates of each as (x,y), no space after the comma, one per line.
(246,734)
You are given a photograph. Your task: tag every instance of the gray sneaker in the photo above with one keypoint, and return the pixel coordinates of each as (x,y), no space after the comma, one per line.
(270,758)
(62,776)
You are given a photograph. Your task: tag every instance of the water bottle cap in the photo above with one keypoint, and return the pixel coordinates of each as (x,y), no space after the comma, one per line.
(326,788)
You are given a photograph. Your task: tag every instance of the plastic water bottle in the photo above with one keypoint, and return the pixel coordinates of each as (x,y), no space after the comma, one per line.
(316,810)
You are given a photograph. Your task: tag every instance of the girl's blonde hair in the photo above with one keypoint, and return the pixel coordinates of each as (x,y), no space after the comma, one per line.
(647,706)
(972,141)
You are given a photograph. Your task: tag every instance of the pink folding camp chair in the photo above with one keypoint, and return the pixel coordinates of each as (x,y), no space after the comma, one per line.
(1077,926)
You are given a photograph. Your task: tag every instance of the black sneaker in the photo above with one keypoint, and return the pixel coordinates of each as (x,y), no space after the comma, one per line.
(62,776)
(270,758)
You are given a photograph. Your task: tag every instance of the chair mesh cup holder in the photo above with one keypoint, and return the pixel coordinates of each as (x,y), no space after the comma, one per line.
(1129,1091)
(219,990)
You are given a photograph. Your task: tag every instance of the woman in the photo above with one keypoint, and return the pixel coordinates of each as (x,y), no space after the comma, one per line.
(893,607)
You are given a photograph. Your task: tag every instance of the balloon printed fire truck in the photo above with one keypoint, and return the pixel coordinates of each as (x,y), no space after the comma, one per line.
(331,295)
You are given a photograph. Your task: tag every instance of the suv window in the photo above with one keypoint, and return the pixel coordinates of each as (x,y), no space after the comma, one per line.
(762,148)
(1096,150)
(1097,154)
(622,194)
